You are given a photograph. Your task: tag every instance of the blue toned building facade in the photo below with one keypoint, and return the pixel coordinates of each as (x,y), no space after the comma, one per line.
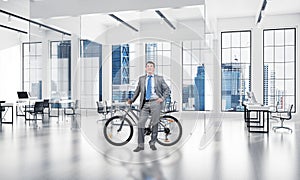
(120,72)
(199,89)
(232,87)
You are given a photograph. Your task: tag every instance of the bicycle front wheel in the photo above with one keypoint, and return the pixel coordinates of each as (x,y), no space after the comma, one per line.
(169,131)
(118,131)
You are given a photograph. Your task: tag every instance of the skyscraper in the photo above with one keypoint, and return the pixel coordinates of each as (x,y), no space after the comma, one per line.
(199,90)
(231,86)
(120,71)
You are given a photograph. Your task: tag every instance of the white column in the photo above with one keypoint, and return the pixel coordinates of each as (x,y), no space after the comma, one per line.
(176,73)
(216,85)
(75,67)
(46,66)
(106,72)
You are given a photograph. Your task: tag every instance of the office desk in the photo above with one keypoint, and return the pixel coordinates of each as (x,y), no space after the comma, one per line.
(7,105)
(22,103)
(59,104)
(263,113)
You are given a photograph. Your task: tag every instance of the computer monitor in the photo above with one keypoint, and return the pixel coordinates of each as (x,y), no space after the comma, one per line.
(22,95)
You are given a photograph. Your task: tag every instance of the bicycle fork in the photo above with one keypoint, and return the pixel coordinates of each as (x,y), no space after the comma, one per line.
(122,123)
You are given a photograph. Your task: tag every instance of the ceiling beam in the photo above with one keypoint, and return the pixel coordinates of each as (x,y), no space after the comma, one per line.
(34,22)
(14,29)
(165,19)
(123,22)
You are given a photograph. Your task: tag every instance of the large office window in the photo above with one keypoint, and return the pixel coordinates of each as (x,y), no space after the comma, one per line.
(122,55)
(236,68)
(279,67)
(193,79)
(60,56)
(160,54)
(32,68)
(91,73)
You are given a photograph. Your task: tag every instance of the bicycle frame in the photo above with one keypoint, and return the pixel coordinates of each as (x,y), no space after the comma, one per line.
(129,109)
(134,117)
(128,117)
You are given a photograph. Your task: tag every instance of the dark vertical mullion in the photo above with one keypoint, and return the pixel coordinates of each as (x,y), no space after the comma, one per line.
(23,73)
(295,70)
(264,95)
(182,75)
(100,73)
(284,65)
(275,64)
(240,78)
(221,70)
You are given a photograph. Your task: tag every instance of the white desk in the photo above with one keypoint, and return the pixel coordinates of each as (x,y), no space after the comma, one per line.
(261,112)
(64,103)
(7,105)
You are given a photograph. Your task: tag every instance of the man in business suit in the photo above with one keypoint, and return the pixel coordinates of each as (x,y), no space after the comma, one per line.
(152,90)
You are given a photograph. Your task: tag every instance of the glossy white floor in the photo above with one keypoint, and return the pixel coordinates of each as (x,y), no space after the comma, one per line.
(220,148)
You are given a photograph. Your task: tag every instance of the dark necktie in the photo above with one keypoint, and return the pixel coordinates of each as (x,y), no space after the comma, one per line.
(149,87)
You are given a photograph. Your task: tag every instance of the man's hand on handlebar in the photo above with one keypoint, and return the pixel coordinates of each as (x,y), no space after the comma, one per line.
(129,101)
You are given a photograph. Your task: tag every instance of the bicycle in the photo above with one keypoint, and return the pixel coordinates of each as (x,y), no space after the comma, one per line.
(118,130)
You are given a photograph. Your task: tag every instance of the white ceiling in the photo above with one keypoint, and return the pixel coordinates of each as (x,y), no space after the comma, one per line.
(142,11)
(54,8)
(215,8)
(242,8)
(138,17)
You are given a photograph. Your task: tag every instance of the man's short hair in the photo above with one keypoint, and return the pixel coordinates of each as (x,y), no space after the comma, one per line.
(150,62)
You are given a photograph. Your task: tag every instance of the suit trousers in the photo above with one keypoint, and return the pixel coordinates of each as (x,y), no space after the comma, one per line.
(152,108)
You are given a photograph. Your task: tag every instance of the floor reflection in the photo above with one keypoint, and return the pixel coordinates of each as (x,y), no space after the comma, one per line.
(73,148)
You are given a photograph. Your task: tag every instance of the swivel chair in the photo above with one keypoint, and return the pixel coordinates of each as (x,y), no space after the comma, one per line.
(73,108)
(102,109)
(287,115)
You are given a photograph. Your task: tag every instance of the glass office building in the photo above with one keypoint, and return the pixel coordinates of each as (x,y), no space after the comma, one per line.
(232,87)
(120,73)
(199,89)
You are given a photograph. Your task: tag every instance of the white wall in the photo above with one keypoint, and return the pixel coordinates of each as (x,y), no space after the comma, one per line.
(247,23)
(10,73)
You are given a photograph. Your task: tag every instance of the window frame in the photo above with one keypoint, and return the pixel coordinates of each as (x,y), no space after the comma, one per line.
(240,64)
(284,79)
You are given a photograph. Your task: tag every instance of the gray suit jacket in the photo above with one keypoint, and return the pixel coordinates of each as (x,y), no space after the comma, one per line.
(161,89)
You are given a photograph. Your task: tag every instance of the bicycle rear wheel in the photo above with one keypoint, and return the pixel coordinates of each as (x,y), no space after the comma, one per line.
(169,131)
(118,131)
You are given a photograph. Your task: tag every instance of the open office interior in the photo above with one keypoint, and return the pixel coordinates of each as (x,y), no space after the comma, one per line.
(68,67)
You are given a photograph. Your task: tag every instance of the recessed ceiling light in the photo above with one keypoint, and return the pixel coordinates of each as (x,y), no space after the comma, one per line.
(4,0)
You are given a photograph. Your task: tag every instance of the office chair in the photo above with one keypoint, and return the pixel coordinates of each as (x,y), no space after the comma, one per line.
(38,108)
(102,109)
(73,108)
(275,113)
(287,115)
(46,106)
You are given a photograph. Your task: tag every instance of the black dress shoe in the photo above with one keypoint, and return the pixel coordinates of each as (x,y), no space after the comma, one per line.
(153,147)
(138,149)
